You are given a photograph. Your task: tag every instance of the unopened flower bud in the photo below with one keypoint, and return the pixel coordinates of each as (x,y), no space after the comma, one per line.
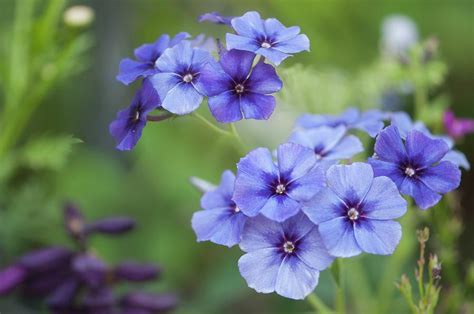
(45,259)
(136,272)
(11,277)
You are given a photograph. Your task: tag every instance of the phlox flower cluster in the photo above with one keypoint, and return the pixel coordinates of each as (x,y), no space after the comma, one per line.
(293,211)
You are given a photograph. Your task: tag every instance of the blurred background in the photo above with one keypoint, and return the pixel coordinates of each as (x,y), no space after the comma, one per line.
(151,183)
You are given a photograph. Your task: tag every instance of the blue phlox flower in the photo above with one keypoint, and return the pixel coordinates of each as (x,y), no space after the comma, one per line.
(236,90)
(221,221)
(285,258)
(178,81)
(355,212)
(147,54)
(268,38)
(370,121)
(128,126)
(405,124)
(277,191)
(329,144)
(415,165)
(216,18)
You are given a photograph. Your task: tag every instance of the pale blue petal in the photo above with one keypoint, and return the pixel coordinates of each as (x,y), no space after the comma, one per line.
(294,161)
(338,237)
(312,251)
(260,269)
(304,188)
(293,45)
(295,279)
(457,158)
(350,182)
(182,99)
(241,43)
(261,233)
(349,146)
(324,206)
(378,236)
(220,226)
(424,196)
(280,207)
(272,54)
(130,70)
(383,201)
(249,25)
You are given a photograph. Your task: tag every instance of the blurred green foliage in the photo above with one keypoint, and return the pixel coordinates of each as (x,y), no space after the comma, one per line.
(57,86)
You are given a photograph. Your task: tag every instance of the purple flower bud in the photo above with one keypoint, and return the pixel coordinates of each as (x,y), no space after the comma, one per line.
(149,301)
(43,284)
(64,294)
(216,18)
(73,220)
(91,270)
(45,259)
(131,310)
(113,225)
(99,298)
(136,272)
(11,277)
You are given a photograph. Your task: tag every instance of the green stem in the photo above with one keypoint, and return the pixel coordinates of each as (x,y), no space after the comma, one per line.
(210,125)
(420,101)
(317,304)
(236,135)
(338,275)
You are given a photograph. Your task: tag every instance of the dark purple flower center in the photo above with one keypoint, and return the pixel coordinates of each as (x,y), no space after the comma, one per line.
(320,152)
(280,189)
(409,171)
(265,42)
(239,88)
(353,214)
(188,77)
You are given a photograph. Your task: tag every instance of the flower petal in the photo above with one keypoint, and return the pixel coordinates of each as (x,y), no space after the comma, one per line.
(305,187)
(295,279)
(293,45)
(241,43)
(257,106)
(261,233)
(350,182)
(321,139)
(225,107)
(294,161)
(175,59)
(260,269)
(255,172)
(182,99)
(280,207)
(324,206)
(130,70)
(442,178)
(220,226)
(387,169)
(422,194)
(221,197)
(237,64)
(457,158)
(423,150)
(214,80)
(383,201)
(389,146)
(312,252)
(297,227)
(272,54)
(249,25)
(338,237)
(378,236)
(164,82)
(349,146)
(264,79)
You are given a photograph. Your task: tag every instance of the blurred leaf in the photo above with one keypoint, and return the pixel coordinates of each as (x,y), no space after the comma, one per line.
(48,152)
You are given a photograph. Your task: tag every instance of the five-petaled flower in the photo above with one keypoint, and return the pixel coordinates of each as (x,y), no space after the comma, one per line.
(178,82)
(277,191)
(128,126)
(415,165)
(285,258)
(268,38)
(236,90)
(370,121)
(146,55)
(221,221)
(354,212)
(329,144)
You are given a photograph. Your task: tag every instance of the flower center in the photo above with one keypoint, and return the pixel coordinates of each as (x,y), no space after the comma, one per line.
(353,214)
(409,171)
(266,44)
(188,78)
(280,189)
(288,247)
(239,88)
(236,209)
(137,116)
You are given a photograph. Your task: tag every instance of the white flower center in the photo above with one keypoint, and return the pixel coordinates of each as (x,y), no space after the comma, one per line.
(288,247)
(265,45)
(137,115)
(188,78)
(410,171)
(280,189)
(353,214)
(239,88)
(236,209)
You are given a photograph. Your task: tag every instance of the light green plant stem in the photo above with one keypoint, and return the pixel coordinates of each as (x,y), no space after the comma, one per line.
(210,125)
(340,297)
(420,100)
(317,304)
(236,135)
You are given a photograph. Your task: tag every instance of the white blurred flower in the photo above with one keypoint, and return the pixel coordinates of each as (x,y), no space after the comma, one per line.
(399,34)
(78,16)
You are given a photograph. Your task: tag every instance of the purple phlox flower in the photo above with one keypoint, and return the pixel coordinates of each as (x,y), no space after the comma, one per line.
(146,55)
(354,212)
(285,257)
(216,18)
(329,144)
(277,190)
(142,302)
(236,90)
(128,126)
(370,121)
(415,165)
(457,127)
(405,124)
(221,221)
(178,82)
(268,38)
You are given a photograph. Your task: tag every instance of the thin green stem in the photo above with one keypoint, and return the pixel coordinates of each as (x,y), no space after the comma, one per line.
(233,129)
(210,125)
(421,268)
(420,100)
(340,298)
(317,304)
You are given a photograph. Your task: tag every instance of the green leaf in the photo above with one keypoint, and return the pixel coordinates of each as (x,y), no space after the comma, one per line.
(48,152)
